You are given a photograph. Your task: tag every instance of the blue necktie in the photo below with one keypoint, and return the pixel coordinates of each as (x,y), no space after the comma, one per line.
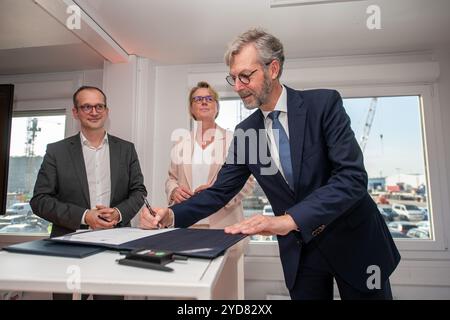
(284,149)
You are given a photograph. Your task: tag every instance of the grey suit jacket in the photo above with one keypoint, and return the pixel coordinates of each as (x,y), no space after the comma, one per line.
(61,192)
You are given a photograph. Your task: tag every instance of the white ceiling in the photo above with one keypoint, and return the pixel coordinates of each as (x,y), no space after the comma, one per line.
(197,31)
(33,41)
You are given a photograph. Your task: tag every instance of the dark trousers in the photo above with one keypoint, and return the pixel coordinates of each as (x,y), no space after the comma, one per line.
(315,281)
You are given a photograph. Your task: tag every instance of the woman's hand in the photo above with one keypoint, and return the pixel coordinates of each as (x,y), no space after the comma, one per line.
(180,194)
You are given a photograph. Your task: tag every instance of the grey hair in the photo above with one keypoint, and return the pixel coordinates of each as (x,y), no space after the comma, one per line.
(268,46)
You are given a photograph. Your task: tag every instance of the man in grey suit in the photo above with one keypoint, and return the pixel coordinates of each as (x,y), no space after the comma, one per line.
(92,179)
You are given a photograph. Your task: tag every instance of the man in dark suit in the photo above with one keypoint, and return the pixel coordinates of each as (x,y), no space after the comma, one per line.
(327,225)
(92,179)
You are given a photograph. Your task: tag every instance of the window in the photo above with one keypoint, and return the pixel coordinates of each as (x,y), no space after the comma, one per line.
(30,134)
(389,131)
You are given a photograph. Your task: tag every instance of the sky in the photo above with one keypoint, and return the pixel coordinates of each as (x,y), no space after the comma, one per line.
(395,141)
(52,130)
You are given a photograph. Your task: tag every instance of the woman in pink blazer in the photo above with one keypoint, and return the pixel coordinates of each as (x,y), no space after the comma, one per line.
(196,158)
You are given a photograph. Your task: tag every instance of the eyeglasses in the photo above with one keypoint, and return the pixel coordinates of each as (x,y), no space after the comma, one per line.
(243,78)
(199,99)
(88,108)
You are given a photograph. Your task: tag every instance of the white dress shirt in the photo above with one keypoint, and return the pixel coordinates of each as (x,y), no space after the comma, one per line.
(283,117)
(201,162)
(98,173)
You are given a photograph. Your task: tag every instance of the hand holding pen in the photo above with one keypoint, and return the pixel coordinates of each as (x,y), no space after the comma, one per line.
(156,218)
(149,221)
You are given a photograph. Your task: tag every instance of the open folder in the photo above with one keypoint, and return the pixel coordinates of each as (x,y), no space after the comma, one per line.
(199,243)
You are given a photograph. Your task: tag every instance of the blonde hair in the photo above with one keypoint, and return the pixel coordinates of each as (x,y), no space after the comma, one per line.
(203,85)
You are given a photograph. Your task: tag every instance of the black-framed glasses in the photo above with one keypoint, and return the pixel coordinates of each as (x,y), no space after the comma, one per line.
(199,99)
(243,78)
(88,107)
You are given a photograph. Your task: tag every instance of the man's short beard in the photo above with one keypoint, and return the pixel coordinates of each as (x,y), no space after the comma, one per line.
(264,96)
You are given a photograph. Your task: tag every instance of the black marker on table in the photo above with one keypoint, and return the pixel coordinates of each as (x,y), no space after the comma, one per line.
(143,264)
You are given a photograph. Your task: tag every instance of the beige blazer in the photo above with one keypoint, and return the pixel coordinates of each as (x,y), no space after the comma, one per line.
(180,174)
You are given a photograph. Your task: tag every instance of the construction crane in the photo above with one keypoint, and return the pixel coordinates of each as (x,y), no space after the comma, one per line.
(32,130)
(368,124)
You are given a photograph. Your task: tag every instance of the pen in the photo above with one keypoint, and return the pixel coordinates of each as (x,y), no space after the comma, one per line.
(152,212)
(102,218)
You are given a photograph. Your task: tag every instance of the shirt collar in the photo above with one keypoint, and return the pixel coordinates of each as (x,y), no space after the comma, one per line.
(281,103)
(85,142)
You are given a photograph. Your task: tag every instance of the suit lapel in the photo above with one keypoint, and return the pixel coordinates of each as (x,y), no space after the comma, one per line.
(296,122)
(78,162)
(114,161)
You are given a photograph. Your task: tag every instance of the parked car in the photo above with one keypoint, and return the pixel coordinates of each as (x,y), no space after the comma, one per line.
(408,212)
(268,211)
(423,225)
(425,214)
(396,234)
(419,233)
(12,219)
(23,228)
(387,213)
(401,226)
(19,208)
(35,219)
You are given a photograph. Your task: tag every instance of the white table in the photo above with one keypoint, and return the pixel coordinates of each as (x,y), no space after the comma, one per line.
(100,274)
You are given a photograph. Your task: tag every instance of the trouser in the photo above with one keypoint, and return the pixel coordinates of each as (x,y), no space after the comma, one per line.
(315,281)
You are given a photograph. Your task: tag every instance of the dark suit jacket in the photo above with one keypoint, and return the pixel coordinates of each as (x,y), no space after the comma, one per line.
(330,204)
(61,192)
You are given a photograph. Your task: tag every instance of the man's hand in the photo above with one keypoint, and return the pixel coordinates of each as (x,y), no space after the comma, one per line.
(95,219)
(162,219)
(264,225)
(109,214)
(180,194)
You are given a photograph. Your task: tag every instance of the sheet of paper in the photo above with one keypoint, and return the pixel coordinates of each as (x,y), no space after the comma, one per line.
(115,236)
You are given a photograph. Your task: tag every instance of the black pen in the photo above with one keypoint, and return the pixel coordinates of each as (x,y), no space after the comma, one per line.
(152,212)
(103,218)
(150,209)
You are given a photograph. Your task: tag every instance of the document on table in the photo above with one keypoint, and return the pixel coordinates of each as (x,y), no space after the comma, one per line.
(109,237)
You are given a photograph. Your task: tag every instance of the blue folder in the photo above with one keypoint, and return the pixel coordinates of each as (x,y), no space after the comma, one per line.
(50,248)
(198,243)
